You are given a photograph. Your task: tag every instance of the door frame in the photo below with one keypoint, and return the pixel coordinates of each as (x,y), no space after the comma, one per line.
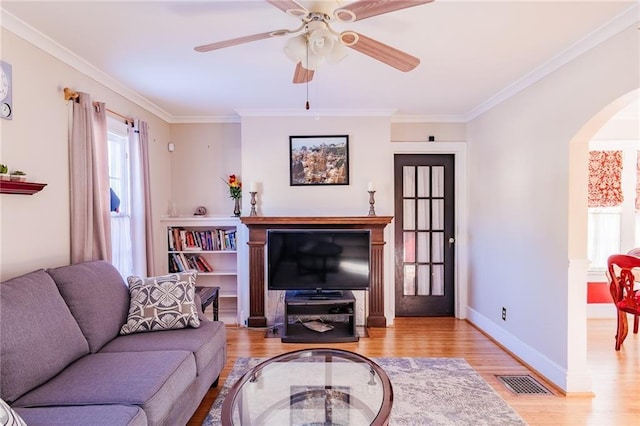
(459,151)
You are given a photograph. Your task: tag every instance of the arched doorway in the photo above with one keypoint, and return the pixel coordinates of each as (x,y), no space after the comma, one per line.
(577,223)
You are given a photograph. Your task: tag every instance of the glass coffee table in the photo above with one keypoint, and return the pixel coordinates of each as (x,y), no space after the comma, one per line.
(311,387)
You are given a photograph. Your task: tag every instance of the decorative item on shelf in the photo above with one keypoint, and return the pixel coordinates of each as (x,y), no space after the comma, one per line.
(236,207)
(200,211)
(4,172)
(235,192)
(253,190)
(372,201)
(6,88)
(18,176)
(173,209)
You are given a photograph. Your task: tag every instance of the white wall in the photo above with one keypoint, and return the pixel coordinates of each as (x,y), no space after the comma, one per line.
(35,229)
(519,210)
(265,160)
(205,154)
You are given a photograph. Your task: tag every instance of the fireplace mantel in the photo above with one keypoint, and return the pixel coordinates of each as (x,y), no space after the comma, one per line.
(258,226)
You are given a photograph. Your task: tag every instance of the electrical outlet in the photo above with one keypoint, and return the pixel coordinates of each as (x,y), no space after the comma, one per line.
(504,313)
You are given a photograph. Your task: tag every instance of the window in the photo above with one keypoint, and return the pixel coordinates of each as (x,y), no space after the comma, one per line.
(604,234)
(120,183)
(615,229)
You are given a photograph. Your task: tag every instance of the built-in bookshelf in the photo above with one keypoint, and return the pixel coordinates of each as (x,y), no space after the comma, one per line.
(209,245)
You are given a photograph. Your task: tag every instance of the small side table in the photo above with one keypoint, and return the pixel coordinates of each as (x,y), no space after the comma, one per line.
(209,296)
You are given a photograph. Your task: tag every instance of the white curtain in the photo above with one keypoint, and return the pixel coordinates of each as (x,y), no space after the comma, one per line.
(603,236)
(122,250)
(141,219)
(89,182)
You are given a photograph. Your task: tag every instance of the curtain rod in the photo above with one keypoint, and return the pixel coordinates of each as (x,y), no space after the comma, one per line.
(70,94)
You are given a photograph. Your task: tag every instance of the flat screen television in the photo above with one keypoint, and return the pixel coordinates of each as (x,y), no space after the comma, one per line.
(318,262)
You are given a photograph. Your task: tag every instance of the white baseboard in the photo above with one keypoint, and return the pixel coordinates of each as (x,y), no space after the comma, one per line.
(569,381)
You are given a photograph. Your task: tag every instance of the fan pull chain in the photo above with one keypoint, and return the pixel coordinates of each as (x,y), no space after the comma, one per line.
(306,105)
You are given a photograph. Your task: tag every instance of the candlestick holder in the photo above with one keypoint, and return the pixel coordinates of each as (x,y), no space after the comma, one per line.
(253,204)
(372,201)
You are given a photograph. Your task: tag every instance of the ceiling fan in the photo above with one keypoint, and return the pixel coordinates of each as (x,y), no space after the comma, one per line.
(318,41)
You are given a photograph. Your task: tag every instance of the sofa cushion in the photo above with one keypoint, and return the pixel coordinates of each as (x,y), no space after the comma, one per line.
(83,415)
(38,335)
(161,303)
(205,342)
(151,380)
(97,296)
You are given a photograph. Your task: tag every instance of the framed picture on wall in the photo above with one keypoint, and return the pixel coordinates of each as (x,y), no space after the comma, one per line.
(319,160)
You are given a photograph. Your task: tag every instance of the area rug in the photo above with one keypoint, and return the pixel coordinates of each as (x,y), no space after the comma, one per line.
(426,391)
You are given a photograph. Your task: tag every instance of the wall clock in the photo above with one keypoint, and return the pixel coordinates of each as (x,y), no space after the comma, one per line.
(6,104)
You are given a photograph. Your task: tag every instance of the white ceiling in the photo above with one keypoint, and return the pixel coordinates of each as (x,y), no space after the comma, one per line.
(473,53)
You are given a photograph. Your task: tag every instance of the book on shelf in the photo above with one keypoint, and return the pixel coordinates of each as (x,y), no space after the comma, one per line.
(203,265)
(180,239)
(180,262)
(175,241)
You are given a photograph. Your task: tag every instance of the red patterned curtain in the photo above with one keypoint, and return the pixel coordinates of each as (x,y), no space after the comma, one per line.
(605,183)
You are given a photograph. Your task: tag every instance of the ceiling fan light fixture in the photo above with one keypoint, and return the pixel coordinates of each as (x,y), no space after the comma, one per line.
(338,53)
(296,48)
(312,61)
(321,42)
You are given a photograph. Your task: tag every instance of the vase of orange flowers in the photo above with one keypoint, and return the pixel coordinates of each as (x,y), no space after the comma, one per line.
(235,192)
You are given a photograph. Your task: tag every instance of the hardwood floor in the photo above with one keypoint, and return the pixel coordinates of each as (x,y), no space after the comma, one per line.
(616,375)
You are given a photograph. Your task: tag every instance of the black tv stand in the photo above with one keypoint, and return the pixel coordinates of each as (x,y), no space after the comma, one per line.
(319,294)
(337,310)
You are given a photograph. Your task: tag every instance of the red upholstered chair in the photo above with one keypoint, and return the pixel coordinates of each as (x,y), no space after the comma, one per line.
(624,291)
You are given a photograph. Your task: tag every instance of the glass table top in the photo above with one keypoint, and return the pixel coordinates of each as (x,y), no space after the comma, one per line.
(311,387)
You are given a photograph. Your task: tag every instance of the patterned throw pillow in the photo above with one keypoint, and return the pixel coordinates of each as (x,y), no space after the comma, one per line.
(161,303)
(8,417)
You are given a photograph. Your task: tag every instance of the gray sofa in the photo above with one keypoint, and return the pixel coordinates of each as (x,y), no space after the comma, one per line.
(63,361)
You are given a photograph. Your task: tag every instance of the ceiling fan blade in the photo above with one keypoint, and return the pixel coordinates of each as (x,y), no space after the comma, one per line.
(239,40)
(364,9)
(291,7)
(301,74)
(379,51)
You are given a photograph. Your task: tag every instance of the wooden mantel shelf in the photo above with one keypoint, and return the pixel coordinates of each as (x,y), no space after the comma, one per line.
(316,220)
(24,188)
(258,227)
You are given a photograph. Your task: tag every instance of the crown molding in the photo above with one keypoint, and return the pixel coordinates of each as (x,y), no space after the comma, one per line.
(205,119)
(48,45)
(315,113)
(624,20)
(428,119)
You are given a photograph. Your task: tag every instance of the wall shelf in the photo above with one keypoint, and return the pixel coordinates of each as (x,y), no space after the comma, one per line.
(24,188)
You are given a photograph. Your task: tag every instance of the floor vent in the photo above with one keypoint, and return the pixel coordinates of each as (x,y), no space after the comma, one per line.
(524,385)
